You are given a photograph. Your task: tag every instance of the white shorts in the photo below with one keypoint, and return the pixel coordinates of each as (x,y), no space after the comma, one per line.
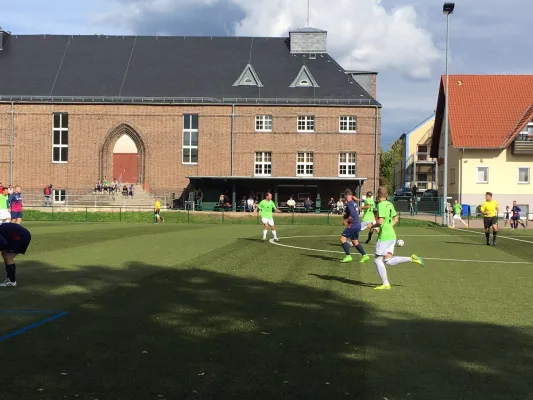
(4,214)
(267,221)
(383,247)
(456,216)
(364,225)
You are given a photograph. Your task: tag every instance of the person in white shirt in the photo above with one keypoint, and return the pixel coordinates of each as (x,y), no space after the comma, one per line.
(250,203)
(340,206)
(291,204)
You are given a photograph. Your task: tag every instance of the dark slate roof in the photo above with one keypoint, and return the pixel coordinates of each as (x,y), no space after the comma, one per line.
(168,69)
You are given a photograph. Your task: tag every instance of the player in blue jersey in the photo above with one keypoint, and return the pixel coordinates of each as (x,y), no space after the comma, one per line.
(352,230)
(14,240)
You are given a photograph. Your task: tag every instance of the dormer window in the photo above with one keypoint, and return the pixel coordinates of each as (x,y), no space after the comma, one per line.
(304,79)
(248,77)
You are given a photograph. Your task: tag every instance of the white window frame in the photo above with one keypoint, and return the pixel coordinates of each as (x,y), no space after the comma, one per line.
(61,194)
(61,130)
(528,176)
(307,121)
(265,159)
(348,164)
(347,120)
(188,132)
(263,121)
(307,163)
(477,174)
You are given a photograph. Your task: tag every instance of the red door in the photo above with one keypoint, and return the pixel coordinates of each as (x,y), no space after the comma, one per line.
(126,165)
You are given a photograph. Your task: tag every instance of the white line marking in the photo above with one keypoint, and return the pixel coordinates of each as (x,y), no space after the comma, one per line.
(425,258)
(314,236)
(499,236)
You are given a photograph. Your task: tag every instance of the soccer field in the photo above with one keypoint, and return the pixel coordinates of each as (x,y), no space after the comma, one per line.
(144,311)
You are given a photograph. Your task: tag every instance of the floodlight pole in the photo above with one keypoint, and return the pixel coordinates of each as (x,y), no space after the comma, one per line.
(445,164)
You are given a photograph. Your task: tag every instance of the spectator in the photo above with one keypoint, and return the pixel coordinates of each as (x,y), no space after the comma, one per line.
(199,197)
(221,200)
(308,204)
(415,191)
(250,204)
(340,206)
(47,195)
(125,191)
(331,204)
(14,203)
(10,190)
(131,190)
(291,204)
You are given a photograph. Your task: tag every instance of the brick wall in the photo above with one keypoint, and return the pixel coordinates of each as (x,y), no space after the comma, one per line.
(160,129)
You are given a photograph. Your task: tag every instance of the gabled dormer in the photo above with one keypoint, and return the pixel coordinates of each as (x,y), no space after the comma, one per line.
(248,77)
(304,79)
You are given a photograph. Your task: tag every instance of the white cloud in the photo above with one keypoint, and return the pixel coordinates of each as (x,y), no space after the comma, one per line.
(362,34)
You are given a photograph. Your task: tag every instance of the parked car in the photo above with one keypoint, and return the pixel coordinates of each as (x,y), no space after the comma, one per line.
(430,195)
(403,194)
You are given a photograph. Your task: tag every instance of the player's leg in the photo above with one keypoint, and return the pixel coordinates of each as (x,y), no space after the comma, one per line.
(487,222)
(381,254)
(370,231)
(359,247)
(11,268)
(345,246)
(494,231)
(265,228)
(391,260)
(273,229)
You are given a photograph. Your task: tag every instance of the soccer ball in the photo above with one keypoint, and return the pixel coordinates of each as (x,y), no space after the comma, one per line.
(400,243)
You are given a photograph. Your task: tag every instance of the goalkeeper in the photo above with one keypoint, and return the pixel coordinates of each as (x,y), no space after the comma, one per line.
(352,230)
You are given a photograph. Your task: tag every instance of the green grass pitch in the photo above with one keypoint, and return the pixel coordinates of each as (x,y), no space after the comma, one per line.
(210,312)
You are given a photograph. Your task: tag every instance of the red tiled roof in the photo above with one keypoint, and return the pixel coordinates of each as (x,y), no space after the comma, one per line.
(485,111)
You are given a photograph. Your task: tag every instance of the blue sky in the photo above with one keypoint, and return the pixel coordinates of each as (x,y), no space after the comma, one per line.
(401,39)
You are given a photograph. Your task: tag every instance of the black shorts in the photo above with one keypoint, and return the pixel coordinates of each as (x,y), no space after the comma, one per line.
(18,241)
(517,218)
(489,222)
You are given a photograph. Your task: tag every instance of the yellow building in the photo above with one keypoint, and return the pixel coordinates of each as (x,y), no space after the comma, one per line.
(417,167)
(490,139)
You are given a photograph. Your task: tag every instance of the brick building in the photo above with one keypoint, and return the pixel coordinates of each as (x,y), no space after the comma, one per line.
(218,113)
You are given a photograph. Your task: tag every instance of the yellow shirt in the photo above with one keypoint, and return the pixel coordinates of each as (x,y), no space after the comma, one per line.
(489,208)
(157,205)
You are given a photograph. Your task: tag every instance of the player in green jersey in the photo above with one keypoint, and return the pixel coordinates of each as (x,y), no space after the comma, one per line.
(5,215)
(369,219)
(266,208)
(386,219)
(457,210)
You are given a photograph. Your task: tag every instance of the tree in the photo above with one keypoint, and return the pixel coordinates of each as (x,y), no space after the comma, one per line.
(389,160)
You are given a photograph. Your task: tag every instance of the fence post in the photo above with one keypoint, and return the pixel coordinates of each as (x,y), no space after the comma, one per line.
(120,214)
(52,213)
(329,213)
(292,217)
(223,212)
(188,216)
(86,215)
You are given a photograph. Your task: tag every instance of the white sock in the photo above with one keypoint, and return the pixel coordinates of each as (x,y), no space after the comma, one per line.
(397,260)
(264,233)
(274,234)
(382,271)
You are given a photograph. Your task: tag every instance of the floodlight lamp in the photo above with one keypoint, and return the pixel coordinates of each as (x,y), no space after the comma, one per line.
(448,8)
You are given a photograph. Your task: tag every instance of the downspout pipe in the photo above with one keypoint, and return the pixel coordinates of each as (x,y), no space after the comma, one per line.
(376,172)
(11,143)
(232,134)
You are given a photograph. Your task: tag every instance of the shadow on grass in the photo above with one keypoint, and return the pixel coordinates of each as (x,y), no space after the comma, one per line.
(191,333)
(344,280)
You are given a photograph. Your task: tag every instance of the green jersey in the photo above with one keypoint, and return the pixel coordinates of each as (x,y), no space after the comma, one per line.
(266,207)
(3,202)
(387,212)
(368,216)
(457,209)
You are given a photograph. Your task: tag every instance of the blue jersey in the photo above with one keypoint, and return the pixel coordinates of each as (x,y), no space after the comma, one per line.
(353,211)
(15,202)
(516,211)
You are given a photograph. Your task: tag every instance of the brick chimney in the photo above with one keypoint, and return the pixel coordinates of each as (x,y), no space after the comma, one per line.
(3,38)
(308,41)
